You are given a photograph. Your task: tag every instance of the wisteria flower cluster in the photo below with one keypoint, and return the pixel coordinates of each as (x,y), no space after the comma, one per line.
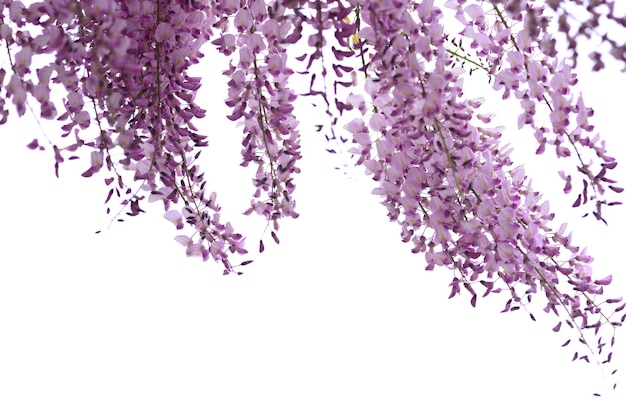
(386,72)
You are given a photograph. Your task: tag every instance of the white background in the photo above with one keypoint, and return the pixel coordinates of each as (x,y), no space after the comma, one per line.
(339,320)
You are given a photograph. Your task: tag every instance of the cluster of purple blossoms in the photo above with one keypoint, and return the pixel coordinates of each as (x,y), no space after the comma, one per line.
(441,170)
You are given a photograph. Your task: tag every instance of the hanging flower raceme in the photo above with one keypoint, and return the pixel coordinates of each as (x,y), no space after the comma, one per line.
(445,179)
(516,41)
(259,94)
(123,65)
